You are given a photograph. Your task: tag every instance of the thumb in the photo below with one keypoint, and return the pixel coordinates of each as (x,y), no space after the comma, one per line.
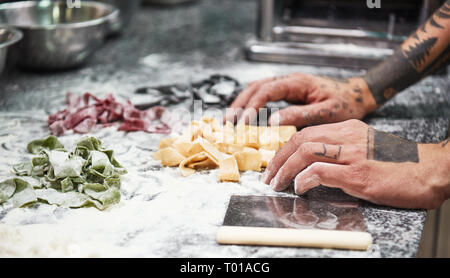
(303,115)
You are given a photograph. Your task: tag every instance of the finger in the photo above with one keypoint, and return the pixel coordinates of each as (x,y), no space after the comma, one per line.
(306,154)
(321,173)
(270,91)
(241,100)
(328,134)
(232,114)
(293,87)
(303,115)
(278,160)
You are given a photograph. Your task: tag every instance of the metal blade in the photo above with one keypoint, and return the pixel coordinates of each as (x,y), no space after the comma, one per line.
(294,212)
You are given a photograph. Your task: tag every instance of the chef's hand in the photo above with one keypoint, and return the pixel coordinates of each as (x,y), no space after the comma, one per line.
(369,164)
(322,99)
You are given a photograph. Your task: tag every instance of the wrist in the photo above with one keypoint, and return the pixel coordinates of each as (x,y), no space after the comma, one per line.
(363,94)
(436,162)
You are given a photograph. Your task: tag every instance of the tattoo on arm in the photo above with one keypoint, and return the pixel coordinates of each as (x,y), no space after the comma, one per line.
(445,142)
(448,137)
(382,146)
(423,53)
(330,151)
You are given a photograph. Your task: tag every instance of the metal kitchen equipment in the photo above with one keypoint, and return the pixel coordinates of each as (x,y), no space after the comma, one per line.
(56,36)
(295,222)
(8,37)
(128,9)
(340,33)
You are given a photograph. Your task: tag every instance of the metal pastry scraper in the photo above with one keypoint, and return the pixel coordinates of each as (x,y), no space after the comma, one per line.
(295,222)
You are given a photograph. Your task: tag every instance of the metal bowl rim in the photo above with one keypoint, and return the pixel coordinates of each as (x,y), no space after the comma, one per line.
(114,12)
(17,36)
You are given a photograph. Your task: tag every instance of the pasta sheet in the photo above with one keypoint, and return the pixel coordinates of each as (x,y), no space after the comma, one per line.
(206,144)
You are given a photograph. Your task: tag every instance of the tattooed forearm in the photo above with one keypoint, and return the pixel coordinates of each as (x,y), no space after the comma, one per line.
(423,53)
(445,142)
(330,151)
(382,146)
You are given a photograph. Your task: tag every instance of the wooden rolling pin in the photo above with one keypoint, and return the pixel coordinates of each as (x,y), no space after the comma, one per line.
(294,237)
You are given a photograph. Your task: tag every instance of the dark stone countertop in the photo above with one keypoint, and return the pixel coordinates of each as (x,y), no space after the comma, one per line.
(177,45)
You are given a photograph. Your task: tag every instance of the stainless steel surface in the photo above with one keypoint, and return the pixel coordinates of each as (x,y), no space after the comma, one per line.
(294,212)
(332,55)
(265,20)
(8,37)
(287,25)
(56,36)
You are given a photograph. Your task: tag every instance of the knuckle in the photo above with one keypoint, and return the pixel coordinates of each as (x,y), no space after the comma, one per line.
(296,75)
(266,87)
(360,175)
(256,83)
(359,151)
(354,122)
(307,147)
(316,169)
(305,76)
(305,132)
(297,137)
(305,151)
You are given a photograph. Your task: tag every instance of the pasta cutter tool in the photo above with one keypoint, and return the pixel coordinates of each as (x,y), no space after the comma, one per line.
(294,222)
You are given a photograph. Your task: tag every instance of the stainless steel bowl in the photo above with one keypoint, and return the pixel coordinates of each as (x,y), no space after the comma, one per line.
(127,9)
(55,35)
(8,37)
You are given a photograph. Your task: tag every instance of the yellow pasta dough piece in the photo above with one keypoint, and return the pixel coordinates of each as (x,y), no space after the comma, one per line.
(198,161)
(166,142)
(266,156)
(286,132)
(214,153)
(195,148)
(184,165)
(183,148)
(234,148)
(170,157)
(157,155)
(206,131)
(229,129)
(185,171)
(269,139)
(206,145)
(251,136)
(240,135)
(192,132)
(228,170)
(249,160)
(228,135)
(222,147)
(205,164)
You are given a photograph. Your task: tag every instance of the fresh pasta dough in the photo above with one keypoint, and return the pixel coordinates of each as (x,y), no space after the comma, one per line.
(207,145)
